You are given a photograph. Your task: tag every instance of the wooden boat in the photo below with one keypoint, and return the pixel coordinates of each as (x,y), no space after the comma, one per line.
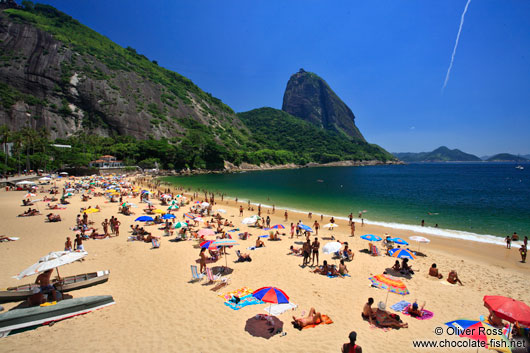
(19,320)
(69,283)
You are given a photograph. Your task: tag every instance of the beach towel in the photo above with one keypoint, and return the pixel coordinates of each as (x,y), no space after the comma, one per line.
(254,248)
(325,321)
(426,314)
(335,276)
(9,239)
(278,309)
(241,292)
(247,300)
(399,306)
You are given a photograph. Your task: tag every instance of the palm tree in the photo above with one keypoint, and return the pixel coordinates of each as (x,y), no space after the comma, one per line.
(30,136)
(5,134)
(18,141)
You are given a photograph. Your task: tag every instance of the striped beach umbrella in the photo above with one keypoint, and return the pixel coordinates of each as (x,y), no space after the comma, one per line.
(480,331)
(402,253)
(271,295)
(277,226)
(181,225)
(390,283)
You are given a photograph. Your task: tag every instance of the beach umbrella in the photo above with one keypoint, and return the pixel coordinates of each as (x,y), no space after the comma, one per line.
(168,216)
(398,241)
(271,295)
(181,225)
(249,220)
(390,283)
(402,253)
(207,244)
(277,226)
(225,243)
(158,210)
(198,219)
(480,331)
(91,210)
(330,225)
(172,207)
(30,195)
(69,194)
(166,196)
(306,228)
(256,217)
(331,247)
(144,219)
(45,179)
(419,240)
(52,260)
(508,309)
(205,232)
(371,237)
(205,204)
(189,215)
(25,182)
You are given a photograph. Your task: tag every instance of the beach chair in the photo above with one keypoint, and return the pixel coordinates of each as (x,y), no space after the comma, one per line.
(156,243)
(375,251)
(216,278)
(195,276)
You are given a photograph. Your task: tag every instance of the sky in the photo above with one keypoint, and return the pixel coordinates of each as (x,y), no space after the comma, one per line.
(386,59)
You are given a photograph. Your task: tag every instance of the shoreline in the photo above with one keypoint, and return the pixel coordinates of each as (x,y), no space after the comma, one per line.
(447,233)
(489,253)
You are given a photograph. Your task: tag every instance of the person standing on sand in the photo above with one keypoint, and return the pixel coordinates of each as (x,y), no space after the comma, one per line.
(117,227)
(202,260)
(351,218)
(522,250)
(525,242)
(317,227)
(241,211)
(315,246)
(286,215)
(78,243)
(309,215)
(352,347)
(306,251)
(105,225)
(352,229)
(362,222)
(292,230)
(273,209)
(508,242)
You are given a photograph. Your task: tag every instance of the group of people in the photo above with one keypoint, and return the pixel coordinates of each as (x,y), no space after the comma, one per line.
(523,250)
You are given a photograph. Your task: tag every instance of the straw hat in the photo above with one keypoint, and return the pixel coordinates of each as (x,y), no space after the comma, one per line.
(381,306)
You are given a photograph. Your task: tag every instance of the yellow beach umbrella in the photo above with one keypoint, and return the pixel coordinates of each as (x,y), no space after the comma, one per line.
(159,211)
(92,210)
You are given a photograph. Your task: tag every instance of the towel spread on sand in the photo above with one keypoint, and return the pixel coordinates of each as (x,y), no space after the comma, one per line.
(277,309)
(426,314)
(244,301)
(325,320)
(241,292)
(335,276)
(399,306)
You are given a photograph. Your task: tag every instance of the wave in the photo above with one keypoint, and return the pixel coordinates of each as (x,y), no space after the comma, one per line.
(441,232)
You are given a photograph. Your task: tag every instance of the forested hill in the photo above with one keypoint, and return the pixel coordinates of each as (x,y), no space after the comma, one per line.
(62,82)
(441,154)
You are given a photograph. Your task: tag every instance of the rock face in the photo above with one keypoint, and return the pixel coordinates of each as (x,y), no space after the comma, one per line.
(309,97)
(57,74)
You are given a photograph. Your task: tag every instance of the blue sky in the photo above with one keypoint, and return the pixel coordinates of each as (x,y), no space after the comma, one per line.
(387,59)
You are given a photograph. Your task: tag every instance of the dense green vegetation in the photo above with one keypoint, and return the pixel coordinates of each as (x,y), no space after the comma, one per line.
(299,141)
(84,40)
(506,157)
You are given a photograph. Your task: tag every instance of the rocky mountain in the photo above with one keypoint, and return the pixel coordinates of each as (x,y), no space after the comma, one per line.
(441,154)
(506,157)
(59,74)
(309,97)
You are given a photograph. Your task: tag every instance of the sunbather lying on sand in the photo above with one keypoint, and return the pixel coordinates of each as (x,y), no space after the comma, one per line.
(384,319)
(327,270)
(53,217)
(29,212)
(4,238)
(313,318)
(295,251)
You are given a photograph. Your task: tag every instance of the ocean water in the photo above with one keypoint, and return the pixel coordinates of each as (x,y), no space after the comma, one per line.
(476,201)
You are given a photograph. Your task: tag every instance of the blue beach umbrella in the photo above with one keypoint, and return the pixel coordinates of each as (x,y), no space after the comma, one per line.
(398,241)
(402,253)
(306,228)
(371,237)
(168,216)
(144,219)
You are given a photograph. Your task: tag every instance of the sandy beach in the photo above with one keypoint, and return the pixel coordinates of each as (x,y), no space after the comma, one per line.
(158,309)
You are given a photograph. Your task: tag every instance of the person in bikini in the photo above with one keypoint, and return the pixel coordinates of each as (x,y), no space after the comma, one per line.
(414,310)
(313,318)
(351,347)
(259,243)
(453,278)
(433,271)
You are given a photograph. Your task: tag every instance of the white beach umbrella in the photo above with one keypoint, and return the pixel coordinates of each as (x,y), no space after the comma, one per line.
(45,179)
(25,182)
(249,220)
(50,261)
(256,217)
(331,247)
(205,204)
(419,240)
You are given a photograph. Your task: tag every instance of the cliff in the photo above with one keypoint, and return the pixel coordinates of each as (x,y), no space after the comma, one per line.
(309,97)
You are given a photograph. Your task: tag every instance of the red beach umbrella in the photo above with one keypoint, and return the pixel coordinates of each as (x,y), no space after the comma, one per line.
(508,308)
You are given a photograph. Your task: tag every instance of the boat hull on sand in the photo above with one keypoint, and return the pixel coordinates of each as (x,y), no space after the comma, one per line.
(18,320)
(70,283)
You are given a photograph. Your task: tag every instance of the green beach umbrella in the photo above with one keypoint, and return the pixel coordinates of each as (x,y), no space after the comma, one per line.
(181,225)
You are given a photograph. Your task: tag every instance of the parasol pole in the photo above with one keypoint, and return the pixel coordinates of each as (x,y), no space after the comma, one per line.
(387,295)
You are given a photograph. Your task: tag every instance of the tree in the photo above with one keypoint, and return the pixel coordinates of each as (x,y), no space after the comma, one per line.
(5,134)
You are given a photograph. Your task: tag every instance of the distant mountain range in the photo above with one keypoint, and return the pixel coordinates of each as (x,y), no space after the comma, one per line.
(507,157)
(441,154)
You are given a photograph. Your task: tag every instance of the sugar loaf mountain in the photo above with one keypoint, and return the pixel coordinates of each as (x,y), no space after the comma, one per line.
(62,82)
